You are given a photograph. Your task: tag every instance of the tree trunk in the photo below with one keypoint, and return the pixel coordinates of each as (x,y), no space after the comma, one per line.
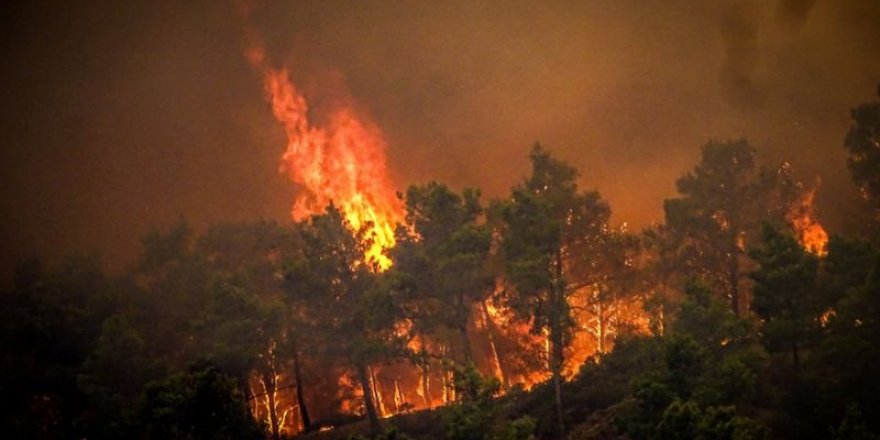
(425,367)
(600,339)
(426,386)
(369,405)
(444,382)
(463,313)
(733,279)
(300,393)
(381,410)
(269,386)
(556,359)
(399,398)
(255,412)
(557,310)
(246,393)
(491,331)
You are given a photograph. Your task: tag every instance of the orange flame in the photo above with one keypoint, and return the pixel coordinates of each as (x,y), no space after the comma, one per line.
(342,162)
(810,232)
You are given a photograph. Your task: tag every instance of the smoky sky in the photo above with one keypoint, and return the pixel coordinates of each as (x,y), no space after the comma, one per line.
(119,117)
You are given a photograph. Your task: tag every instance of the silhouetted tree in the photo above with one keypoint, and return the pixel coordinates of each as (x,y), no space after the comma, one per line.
(547,225)
(51,322)
(723,203)
(447,256)
(349,316)
(715,212)
(785,295)
(863,144)
(198,403)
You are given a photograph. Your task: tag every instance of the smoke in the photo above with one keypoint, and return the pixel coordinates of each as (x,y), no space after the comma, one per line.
(119,117)
(742,27)
(739,32)
(791,14)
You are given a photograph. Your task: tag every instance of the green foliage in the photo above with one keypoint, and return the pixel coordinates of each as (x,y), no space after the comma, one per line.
(640,415)
(864,156)
(470,418)
(477,416)
(162,249)
(785,293)
(603,384)
(852,427)
(200,403)
(546,213)
(546,225)
(113,377)
(52,319)
(703,317)
(715,211)
(723,203)
(87,356)
(847,266)
(522,428)
(235,328)
(704,375)
(467,421)
(849,352)
(472,386)
(680,420)
(390,434)
(734,379)
(330,286)
(440,259)
(339,301)
(687,420)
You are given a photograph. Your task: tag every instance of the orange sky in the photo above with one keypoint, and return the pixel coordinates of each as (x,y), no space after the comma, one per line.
(124,117)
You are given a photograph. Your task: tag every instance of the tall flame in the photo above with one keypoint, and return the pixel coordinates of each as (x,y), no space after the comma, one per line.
(342,162)
(809,231)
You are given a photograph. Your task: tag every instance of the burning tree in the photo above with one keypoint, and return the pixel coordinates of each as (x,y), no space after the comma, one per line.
(863,143)
(332,284)
(723,203)
(607,303)
(246,324)
(440,275)
(547,225)
(786,293)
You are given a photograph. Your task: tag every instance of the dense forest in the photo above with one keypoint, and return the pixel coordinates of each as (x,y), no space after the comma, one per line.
(528,316)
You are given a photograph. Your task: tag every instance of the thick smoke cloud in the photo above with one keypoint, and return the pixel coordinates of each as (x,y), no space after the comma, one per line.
(791,14)
(123,116)
(739,32)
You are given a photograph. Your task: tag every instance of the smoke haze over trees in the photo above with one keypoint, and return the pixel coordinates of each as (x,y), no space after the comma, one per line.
(692,250)
(530,316)
(117,118)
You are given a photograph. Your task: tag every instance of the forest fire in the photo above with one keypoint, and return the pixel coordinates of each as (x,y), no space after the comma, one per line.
(809,232)
(480,220)
(342,163)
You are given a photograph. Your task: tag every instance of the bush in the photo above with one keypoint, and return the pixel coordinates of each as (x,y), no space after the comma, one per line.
(202,403)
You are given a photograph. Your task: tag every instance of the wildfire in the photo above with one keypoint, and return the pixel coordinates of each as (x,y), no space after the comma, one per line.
(342,162)
(810,232)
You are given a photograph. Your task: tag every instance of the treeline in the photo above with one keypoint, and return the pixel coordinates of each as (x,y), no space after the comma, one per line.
(736,318)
